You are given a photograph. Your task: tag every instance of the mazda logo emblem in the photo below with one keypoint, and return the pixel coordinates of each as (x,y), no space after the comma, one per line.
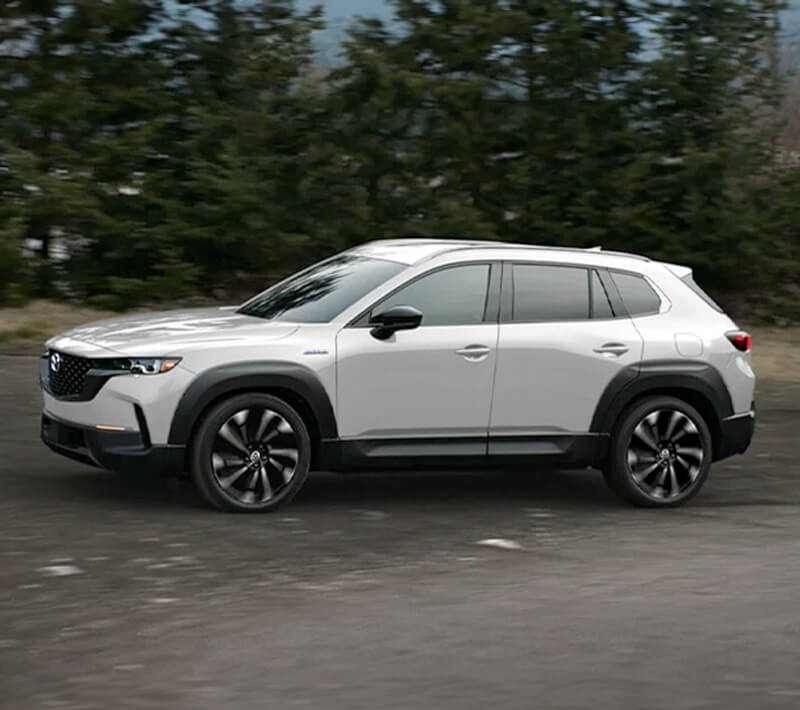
(55,362)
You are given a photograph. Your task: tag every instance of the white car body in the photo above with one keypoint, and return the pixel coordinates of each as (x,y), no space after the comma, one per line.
(495,388)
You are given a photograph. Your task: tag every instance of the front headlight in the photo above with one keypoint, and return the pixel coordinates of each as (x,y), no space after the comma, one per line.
(143,365)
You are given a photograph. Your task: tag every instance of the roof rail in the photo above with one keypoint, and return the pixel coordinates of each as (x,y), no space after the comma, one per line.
(536,247)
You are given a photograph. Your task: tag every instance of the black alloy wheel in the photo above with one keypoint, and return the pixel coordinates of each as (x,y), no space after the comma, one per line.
(661,453)
(251,453)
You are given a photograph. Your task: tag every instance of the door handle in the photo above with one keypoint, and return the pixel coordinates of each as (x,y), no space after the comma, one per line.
(612,349)
(474,353)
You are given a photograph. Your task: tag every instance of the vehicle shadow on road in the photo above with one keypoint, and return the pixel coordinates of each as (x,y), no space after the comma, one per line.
(330,491)
(499,489)
(482,488)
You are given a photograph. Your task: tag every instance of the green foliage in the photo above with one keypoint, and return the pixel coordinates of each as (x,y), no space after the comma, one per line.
(14,267)
(170,149)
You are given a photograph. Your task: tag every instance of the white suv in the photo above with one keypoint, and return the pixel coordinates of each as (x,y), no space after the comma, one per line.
(416,354)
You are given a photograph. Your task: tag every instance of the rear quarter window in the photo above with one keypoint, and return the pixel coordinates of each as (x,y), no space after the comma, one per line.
(692,284)
(638,296)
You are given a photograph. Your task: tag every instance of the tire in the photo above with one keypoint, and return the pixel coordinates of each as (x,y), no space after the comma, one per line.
(661,452)
(250,454)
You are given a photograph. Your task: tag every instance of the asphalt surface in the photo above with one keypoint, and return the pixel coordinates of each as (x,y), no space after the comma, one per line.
(373,592)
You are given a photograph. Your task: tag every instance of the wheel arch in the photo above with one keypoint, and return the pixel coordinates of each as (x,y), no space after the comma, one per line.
(298,386)
(696,383)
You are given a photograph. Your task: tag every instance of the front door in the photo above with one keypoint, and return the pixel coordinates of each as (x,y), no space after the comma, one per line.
(426,391)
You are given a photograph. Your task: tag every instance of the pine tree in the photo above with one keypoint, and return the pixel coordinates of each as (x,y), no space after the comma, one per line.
(712,101)
(78,90)
(158,141)
(497,118)
(374,110)
(251,139)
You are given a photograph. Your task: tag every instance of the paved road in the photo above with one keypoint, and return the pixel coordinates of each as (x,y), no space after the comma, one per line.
(372,592)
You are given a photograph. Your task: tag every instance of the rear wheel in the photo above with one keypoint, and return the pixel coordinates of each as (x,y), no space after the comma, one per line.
(660,454)
(251,454)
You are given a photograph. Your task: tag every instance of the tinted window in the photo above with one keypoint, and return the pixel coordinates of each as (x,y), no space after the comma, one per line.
(692,284)
(550,293)
(323,291)
(638,296)
(454,296)
(601,306)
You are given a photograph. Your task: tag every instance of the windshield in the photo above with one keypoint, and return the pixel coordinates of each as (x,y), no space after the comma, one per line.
(322,291)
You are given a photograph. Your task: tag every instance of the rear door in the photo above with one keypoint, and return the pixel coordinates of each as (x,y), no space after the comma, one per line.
(560,344)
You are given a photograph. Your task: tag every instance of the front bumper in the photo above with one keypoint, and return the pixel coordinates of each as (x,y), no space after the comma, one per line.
(736,433)
(127,451)
(114,401)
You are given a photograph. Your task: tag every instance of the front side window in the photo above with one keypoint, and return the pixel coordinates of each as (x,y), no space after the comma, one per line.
(638,296)
(451,296)
(323,291)
(545,293)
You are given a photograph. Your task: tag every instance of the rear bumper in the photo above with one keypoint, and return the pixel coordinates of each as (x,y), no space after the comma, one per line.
(127,452)
(736,433)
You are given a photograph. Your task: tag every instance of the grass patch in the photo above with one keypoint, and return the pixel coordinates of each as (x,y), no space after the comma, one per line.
(775,354)
(31,331)
(27,328)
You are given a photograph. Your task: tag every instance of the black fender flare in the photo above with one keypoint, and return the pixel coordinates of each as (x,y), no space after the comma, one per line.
(219,381)
(641,378)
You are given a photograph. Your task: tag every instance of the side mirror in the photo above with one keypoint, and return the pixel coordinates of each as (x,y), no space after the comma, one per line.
(393,319)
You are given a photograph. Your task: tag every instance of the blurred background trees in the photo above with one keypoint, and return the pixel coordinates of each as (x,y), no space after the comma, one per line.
(152,150)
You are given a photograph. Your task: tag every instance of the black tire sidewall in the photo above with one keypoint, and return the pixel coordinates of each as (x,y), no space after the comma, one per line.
(618,475)
(203,439)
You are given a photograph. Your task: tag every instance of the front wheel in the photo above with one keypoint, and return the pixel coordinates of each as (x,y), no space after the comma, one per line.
(660,454)
(251,453)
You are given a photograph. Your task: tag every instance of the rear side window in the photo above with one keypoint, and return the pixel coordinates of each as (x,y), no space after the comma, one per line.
(692,284)
(638,296)
(549,293)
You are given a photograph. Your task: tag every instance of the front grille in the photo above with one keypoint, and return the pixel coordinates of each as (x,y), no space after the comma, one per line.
(67,373)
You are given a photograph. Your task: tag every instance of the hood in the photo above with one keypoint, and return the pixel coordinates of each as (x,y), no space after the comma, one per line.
(169,332)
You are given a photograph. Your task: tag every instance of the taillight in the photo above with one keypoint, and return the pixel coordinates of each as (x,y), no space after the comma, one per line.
(740,340)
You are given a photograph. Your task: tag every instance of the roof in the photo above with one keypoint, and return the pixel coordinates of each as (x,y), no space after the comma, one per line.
(414,250)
